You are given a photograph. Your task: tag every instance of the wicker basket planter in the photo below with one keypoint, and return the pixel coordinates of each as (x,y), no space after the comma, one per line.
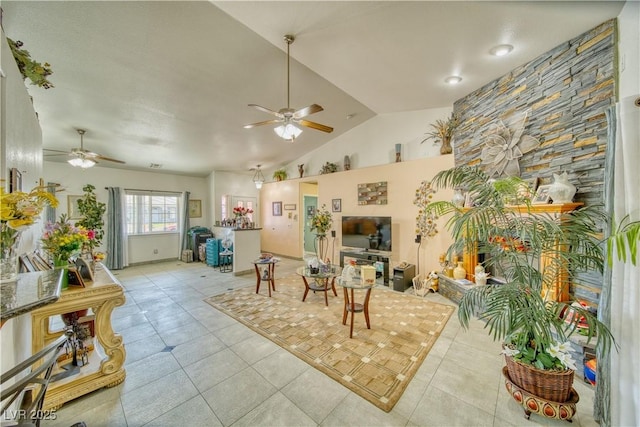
(550,385)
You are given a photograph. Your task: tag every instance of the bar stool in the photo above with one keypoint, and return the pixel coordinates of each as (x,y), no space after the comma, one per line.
(226,261)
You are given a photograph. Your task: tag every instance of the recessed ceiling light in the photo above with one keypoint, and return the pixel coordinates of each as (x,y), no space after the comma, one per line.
(453,80)
(501,50)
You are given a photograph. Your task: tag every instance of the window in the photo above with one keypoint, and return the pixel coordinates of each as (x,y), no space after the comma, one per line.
(149,213)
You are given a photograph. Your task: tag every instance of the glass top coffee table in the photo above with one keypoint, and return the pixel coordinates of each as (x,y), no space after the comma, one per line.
(322,280)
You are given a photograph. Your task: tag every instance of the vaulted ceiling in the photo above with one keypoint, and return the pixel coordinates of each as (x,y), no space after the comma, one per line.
(169,82)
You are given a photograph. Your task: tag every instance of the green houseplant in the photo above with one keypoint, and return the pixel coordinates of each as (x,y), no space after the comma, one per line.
(92,212)
(329,167)
(534,330)
(280,174)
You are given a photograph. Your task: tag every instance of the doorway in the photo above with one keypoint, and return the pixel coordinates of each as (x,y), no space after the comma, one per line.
(309,209)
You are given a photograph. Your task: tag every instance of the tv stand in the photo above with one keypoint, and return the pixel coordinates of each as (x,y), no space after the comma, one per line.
(368,257)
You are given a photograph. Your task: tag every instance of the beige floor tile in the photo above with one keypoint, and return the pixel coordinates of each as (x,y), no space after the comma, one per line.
(315,394)
(197,349)
(192,413)
(277,410)
(148,370)
(356,411)
(254,349)
(280,367)
(235,397)
(157,398)
(212,370)
(439,408)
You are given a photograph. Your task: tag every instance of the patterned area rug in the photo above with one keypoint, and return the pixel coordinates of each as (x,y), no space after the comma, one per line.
(377,364)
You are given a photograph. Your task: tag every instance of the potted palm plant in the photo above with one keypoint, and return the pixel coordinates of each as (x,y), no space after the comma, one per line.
(280,174)
(534,330)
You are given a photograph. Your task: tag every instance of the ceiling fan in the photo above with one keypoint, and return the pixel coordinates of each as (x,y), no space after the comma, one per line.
(80,157)
(288,117)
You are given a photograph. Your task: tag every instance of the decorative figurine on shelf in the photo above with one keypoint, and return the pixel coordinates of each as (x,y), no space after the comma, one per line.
(301,169)
(561,191)
(447,268)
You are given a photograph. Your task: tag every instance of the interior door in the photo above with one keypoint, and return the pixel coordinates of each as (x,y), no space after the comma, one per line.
(310,206)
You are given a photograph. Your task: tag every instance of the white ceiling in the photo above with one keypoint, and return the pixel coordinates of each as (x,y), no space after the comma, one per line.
(168,82)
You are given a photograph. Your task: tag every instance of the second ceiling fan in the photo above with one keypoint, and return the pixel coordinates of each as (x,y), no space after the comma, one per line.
(288,117)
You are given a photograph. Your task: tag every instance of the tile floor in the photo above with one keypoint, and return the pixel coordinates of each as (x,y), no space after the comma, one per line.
(190,365)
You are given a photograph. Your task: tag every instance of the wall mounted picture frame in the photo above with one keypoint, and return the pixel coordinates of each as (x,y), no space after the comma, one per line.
(277,208)
(290,207)
(195,208)
(15,180)
(336,205)
(542,195)
(72,207)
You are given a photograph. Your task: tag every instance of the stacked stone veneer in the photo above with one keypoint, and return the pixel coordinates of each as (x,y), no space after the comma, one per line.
(566,92)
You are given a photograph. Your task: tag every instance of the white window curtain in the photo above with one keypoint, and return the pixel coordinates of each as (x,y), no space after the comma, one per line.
(622,299)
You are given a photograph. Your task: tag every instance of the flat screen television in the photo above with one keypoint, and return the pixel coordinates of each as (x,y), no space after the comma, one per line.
(367,232)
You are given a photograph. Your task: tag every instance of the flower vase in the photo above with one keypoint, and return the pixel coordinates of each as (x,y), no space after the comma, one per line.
(446,146)
(9,254)
(62,264)
(459,272)
(320,245)
(561,191)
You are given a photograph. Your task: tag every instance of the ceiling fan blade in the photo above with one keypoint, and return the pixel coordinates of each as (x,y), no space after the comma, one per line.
(317,126)
(109,159)
(304,112)
(64,153)
(266,122)
(55,151)
(266,110)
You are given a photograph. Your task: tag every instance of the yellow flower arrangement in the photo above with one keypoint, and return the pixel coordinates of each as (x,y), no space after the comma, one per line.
(18,210)
(321,221)
(63,239)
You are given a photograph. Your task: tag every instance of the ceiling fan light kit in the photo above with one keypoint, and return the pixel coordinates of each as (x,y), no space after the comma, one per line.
(81,158)
(288,118)
(79,162)
(288,132)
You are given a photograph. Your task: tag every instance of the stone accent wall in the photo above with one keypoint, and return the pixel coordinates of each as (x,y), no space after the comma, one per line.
(566,92)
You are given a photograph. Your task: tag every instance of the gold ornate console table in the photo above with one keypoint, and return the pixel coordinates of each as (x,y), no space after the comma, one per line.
(106,361)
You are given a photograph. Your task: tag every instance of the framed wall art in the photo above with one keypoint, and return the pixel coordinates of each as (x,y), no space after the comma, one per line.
(290,207)
(195,208)
(72,207)
(336,205)
(277,208)
(15,180)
